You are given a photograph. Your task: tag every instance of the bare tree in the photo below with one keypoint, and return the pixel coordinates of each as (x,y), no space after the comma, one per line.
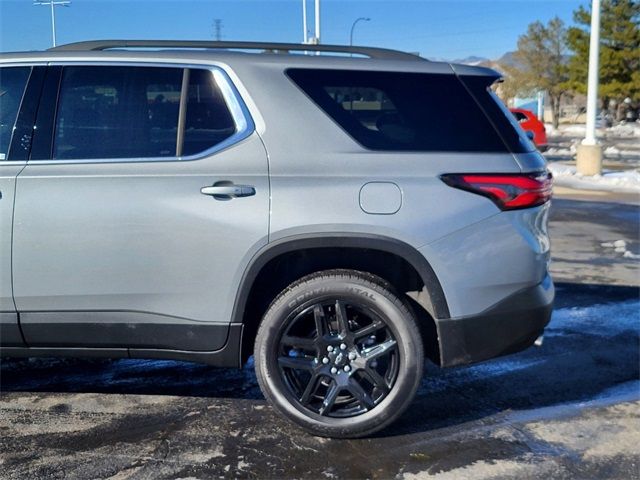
(540,63)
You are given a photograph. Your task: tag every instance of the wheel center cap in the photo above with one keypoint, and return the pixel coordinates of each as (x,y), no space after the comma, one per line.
(340,360)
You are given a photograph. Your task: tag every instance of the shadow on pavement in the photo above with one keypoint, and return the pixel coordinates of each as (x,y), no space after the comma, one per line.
(578,361)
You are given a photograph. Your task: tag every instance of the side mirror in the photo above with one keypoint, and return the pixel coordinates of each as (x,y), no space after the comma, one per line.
(529,134)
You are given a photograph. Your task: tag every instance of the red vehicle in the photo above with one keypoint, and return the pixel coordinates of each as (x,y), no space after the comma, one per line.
(530,123)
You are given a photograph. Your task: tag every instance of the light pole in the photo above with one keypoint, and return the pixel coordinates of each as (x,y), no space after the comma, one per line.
(317,13)
(53,4)
(353,26)
(305,36)
(589,154)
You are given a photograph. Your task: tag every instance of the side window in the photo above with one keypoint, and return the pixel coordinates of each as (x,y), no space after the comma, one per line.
(13,81)
(401,111)
(520,117)
(133,112)
(208,120)
(117,112)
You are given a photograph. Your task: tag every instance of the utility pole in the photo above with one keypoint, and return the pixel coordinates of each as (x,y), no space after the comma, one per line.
(589,154)
(53,4)
(217,27)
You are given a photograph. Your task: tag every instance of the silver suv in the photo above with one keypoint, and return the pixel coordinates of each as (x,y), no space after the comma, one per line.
(339,217)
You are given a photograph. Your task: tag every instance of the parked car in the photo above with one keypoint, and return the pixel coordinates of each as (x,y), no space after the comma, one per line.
(530,123)
(338,218)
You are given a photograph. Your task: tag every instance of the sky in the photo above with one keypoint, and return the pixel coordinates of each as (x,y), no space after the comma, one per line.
(448,29)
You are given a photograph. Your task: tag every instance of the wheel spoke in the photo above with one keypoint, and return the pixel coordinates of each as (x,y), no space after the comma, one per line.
(320,321)
(296,363)
(341,318)
(310,389)
(369,329)
(379,350)
(299,342)
(376,379)
(329,399)
(360,394)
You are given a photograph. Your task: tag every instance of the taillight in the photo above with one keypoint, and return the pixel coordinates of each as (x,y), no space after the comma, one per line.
(508,191)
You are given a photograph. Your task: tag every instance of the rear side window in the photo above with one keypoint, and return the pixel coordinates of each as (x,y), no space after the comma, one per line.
(208,119)
(13,81)
(134,112)
(403,111)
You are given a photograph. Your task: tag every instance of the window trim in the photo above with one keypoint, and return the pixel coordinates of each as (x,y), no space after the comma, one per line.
(244,123)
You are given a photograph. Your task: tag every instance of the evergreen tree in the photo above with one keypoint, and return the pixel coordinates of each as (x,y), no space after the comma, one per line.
(619,74)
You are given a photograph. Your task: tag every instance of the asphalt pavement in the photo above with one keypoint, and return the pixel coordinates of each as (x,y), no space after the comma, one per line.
(567,409)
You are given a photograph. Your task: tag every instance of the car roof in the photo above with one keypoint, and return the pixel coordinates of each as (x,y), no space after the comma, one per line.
(243,53)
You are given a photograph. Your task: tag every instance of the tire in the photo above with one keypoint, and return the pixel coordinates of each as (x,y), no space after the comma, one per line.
(355,377)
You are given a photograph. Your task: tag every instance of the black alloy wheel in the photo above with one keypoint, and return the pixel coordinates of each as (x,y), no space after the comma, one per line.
(338,358)
(339,353)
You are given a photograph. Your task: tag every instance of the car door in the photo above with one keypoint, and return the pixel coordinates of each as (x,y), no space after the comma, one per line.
(13,84)
(146,193)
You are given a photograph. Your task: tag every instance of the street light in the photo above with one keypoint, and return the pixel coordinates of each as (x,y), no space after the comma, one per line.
(53,4)
(365,19)
(589,152)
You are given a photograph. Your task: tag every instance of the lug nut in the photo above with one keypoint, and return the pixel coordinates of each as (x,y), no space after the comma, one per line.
(334,370)
(329,348)
(347,368)
(352,356)
(343,346)
(325,360)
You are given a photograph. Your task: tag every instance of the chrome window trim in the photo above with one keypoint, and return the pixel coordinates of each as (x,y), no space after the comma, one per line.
(12,162)
(245,126)
(23,63)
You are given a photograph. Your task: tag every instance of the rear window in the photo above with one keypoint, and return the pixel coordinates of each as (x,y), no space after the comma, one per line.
(412,111)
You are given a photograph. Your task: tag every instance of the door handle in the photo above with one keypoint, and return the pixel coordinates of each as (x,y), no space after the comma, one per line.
(228,191)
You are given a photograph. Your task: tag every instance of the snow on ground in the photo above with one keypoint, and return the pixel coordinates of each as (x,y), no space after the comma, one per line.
(620,246)
(626,181)
(606,320)
(625,130)
(579,129)
(561,152)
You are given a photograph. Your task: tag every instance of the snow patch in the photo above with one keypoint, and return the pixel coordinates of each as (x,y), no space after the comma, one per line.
(625,130)
(627,181)
(563,152)
(611,151)
(579,130)
(620,246)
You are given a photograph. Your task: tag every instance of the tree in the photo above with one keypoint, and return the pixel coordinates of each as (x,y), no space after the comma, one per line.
(619,73)
(540,63)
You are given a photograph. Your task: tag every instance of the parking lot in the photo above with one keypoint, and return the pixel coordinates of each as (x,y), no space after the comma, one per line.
(568,409)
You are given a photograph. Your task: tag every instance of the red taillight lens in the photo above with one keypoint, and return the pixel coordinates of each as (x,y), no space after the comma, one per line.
(508,191)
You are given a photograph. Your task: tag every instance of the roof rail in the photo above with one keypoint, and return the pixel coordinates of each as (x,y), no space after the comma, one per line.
(371,52)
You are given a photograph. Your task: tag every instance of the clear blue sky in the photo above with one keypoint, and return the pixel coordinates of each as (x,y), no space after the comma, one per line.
(438,29)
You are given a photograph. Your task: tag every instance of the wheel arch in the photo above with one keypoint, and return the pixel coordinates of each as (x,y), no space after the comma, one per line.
(243,312)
